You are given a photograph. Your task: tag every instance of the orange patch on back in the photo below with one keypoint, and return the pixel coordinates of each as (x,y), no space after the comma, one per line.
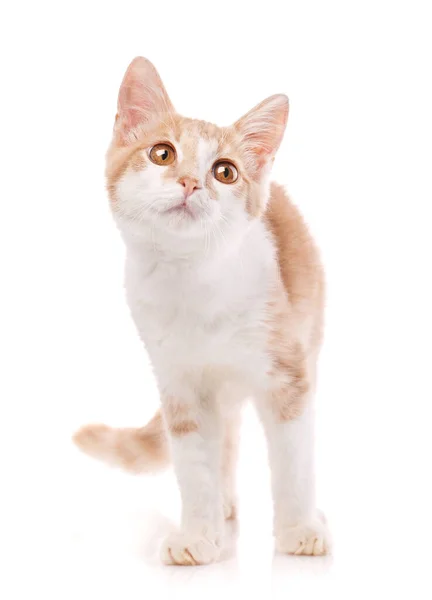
(295,308)
(299,263)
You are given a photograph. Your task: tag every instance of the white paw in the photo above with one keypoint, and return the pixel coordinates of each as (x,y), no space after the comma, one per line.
(189,549)
(310,538)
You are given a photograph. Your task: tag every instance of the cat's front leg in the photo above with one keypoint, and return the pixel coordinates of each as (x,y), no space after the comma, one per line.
(229,464)
(299,527)
(195,431)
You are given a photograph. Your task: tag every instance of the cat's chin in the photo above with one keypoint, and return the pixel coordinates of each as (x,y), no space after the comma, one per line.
(180,217)
(182,210)
(183,219)
(182,226)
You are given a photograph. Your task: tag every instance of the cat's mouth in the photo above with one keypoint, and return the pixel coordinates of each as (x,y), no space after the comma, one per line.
(182,209)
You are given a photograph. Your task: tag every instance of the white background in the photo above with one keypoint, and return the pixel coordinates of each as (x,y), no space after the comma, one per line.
(356,158)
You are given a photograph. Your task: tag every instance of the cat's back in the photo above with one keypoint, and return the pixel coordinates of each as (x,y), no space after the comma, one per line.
(298,258)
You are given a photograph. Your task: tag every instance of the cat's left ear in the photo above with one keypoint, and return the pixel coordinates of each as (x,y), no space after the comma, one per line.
(142,99)
(263,127)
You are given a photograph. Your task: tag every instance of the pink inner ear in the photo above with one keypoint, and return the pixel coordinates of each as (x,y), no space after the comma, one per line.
(135,108)
(142,97)
(263,127)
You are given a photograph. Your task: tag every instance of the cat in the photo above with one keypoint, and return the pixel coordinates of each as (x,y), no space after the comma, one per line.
(226,289)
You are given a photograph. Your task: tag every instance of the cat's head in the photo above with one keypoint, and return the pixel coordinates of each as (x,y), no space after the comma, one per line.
(184,176)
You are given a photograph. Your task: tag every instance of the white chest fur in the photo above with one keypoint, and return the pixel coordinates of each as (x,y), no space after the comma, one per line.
(208,310)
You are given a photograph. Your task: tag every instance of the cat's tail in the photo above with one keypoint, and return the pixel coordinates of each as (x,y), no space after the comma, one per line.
(140,450)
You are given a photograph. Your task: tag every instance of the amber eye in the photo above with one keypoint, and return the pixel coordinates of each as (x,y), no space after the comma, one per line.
(162,154)
(225,172)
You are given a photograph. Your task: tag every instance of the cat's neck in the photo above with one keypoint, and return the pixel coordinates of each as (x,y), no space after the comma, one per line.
(219,247)
(242,266)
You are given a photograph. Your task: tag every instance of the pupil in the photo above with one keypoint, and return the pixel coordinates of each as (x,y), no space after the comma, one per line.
(164,155)
(226,172)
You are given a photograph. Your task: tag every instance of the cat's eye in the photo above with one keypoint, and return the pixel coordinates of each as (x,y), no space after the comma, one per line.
(225,172)
(162,154)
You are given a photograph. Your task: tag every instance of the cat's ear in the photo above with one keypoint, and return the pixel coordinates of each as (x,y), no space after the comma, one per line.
(142,99)
(263,127)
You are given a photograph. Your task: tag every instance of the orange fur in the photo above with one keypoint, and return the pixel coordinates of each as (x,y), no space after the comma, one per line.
(183,427)
(298,257)
(295,312)
(136,450)
(179,416)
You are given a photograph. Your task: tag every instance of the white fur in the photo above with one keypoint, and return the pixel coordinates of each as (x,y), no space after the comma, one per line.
(292,481)
(198,290)
(206,152)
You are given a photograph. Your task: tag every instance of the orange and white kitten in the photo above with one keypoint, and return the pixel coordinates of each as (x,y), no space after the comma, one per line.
(226,288)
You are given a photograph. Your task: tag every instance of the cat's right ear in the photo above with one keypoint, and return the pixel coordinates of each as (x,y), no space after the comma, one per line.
(142,100)
(263,127)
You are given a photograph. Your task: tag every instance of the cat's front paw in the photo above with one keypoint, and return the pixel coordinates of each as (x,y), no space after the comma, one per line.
(189,549)
(308,538)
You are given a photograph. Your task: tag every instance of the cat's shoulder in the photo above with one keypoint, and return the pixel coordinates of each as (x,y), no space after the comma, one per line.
(297,255)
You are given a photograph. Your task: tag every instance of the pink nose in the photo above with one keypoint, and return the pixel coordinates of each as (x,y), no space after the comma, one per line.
(190,185)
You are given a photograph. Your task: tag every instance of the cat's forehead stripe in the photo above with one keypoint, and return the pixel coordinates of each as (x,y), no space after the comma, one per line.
(198,147)
(206,153)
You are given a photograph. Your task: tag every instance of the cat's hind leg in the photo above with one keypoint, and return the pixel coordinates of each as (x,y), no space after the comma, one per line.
(288,418)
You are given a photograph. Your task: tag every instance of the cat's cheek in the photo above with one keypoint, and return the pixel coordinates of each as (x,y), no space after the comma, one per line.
(151,178)
(234,200)
(137,189)
(231,207)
